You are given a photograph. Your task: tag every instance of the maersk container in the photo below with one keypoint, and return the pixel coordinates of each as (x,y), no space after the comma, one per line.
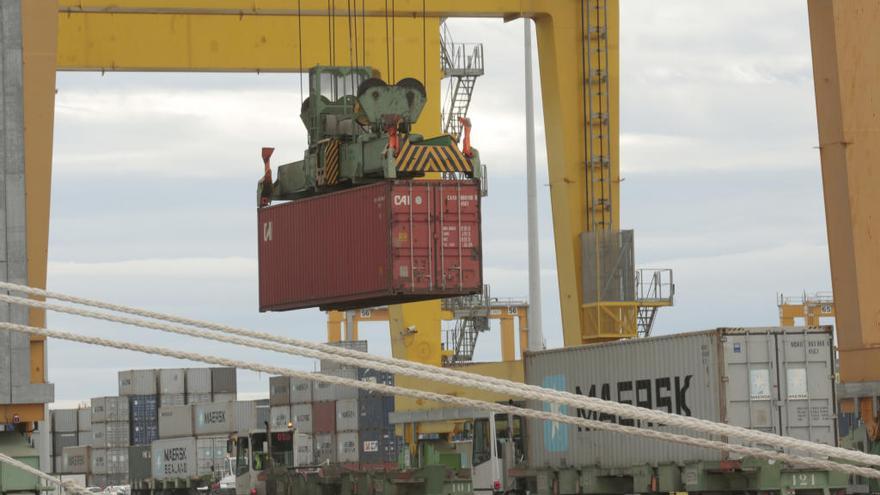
(84,419)
(172,381)
(301,390)
(279,390)
(210,455)
(279,417)
(214,418)
(301,414)
(198,381)
(325,448)
(138,382)
(224,381)
(64,420)
(175,421)
(76,460)
(384,243)
(193,399)
(174,458)
(303,450)
(770,379)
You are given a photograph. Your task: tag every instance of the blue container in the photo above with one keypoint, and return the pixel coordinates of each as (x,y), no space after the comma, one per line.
(144,408)
(144,432)
(378,447)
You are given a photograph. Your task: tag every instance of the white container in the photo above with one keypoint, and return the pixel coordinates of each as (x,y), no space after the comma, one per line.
(301,414)
(138,382)
(347,447)
(116,409)
(58,464)
(213,418)
(769,379)
(246,415)
(347,415)
(99,436)
(84,419)
(175,421)
(325,448)
(84,439)
(172,381)
(301,390)
(99,461)
(99,409)
(198,398)
(174,458)
(225,397)
(64,420)
(210,455)
(303,450)
(198,381)
(172,400)
(76,460)
(117,460)
(279,417)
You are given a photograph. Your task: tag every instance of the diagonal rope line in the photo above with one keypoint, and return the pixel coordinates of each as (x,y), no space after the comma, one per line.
(437,374)
(808,462)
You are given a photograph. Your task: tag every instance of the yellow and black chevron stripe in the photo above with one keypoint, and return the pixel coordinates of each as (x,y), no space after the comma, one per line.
(431,158)
(331,162)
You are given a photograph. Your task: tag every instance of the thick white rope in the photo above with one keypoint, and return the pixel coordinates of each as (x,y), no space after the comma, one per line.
(68,485)
(807,462)
(443,375)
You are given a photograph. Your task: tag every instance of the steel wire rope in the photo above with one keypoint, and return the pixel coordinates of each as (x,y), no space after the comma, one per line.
(793,459)
(299,32)
(387,45)
(424,46)
(356,358)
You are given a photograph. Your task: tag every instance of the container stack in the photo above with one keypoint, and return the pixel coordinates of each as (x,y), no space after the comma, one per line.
(172,387)
(84,427)
(224,384)
(65,430)
(290,402)
(198,386)
(364,437)
(141,389)
(111,436)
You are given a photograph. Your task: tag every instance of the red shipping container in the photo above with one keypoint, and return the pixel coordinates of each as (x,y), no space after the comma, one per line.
(324,416)
(386,243)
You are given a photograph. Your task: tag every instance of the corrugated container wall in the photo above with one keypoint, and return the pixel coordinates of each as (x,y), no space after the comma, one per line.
(76,460)
(172,399)
(771,379)
(279,390)
(245,414)
(172,381)
(198,381)
(279,416)
(84,439)
(226,397)
(301,391)
(324,417)
(115,409)
(139,463)
(210,455)
(355,345)
(303,450)
(84,419)
(99,409)
(383,243)
(64,420)
(347,447)
(199,398)
(174,458)
(117,460)
(224,381)
(325,448)
(138,382)
(117,434)
(301,414)
(60,440)
(175,421)
(99,461)
(214,418)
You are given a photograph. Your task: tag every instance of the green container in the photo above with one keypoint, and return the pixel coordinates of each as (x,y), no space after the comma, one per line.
(13,479)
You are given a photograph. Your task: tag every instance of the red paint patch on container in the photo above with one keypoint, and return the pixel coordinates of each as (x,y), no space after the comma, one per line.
(324,417)
(384,243)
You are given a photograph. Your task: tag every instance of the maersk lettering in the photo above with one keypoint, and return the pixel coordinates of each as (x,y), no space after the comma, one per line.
(215,417)
(666,393)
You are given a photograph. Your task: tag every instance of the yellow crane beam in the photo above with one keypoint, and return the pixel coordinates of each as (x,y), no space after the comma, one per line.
(846,71)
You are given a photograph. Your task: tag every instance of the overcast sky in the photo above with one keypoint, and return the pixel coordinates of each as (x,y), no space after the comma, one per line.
(154,184)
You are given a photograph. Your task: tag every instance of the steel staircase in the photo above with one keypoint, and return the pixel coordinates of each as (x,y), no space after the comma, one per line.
(462,63)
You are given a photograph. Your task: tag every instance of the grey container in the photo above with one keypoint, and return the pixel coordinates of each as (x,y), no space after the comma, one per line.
(214,418)
(58,464)
(198,381)
(76,460)
(301,390)
(347,415)
(199,398)
(224,397)
(262,412)
(138,382)
(303,450)
(116,409)
(99,409)
(172,399)
(174,458)
(356,345)
(117,460)
(279,390)
(64,420)
(175,421)
(347,447)
(301,415)
(118,434)
(99,461)
(172,381)
(84,439)
(84,419)
(224,381)
(60,440)
(325,448)
(245,415)
(210,455)
(768,379)
(279,416)
(99,435)
(140,463)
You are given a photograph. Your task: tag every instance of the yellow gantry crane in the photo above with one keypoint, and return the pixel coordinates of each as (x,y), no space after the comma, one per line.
(806,308)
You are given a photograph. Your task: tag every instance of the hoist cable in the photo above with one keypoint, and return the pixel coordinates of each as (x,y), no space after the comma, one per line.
(300,43)
(424,47)
(387,45)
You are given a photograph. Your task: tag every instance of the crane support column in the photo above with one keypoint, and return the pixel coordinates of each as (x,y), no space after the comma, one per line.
(846,70)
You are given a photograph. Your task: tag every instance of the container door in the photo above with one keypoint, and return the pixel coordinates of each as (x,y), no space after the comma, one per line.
(752,384)
(411,237)
(458,251)
(806,386)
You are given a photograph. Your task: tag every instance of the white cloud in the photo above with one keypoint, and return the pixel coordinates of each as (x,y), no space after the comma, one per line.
(187,268)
